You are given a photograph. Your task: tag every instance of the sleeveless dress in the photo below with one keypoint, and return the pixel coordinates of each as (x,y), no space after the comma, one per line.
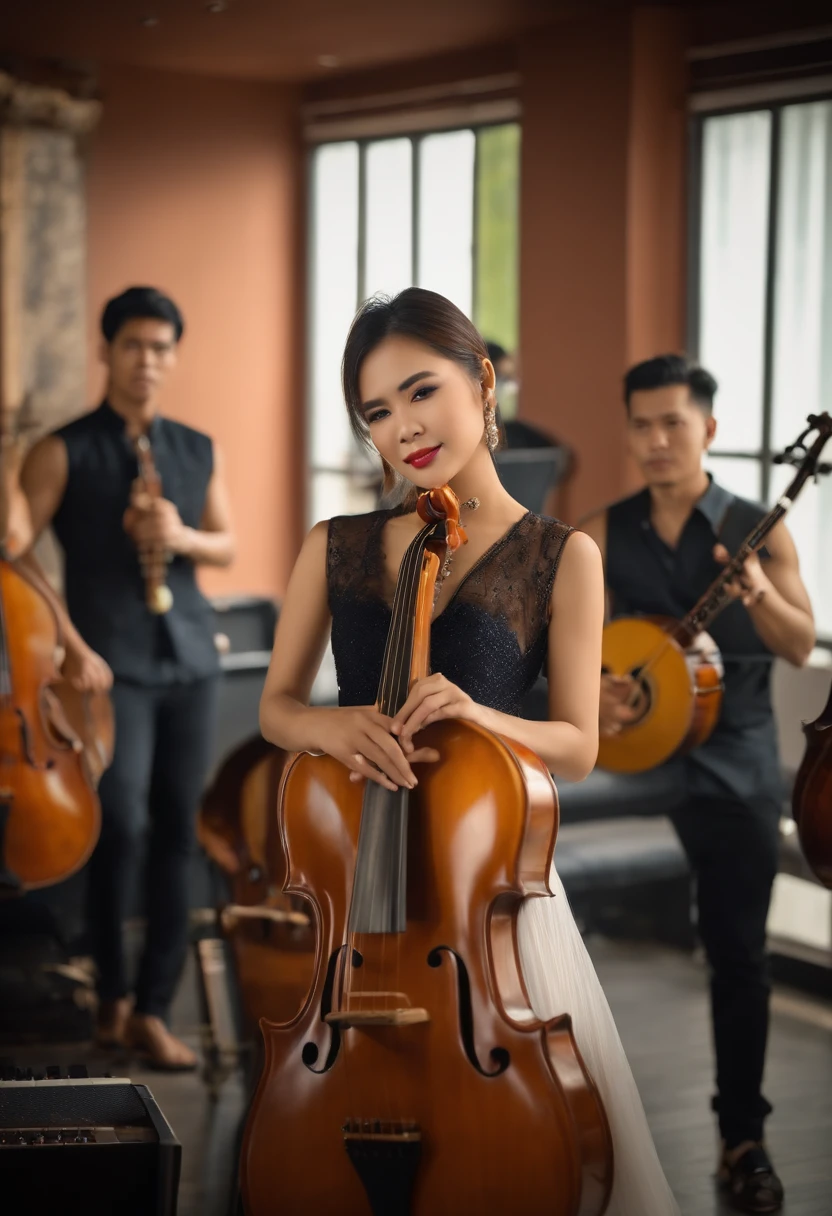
(490,639)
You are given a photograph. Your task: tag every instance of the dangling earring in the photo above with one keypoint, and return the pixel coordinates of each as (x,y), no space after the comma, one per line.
(389,477)
(492,435)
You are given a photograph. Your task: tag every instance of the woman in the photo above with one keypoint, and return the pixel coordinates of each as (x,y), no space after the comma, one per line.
(524,591)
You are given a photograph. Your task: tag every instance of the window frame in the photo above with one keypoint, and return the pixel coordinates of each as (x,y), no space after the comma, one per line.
(416,136)
(763,457)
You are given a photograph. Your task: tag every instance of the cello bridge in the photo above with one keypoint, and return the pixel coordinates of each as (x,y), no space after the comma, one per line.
(368,1009)
(359,1018)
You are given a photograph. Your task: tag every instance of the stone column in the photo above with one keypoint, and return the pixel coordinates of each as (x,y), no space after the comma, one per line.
(42,257)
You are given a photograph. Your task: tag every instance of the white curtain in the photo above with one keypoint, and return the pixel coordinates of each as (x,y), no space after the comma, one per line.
(803,328)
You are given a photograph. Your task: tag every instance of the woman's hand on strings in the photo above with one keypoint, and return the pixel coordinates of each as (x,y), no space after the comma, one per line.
(431,699)
(751,583)
(360,737)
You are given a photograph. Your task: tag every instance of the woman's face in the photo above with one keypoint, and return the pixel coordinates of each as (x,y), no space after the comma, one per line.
(424,413)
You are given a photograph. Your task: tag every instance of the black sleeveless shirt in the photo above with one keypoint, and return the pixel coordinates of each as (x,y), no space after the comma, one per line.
(489,639)
(105,590)
(646,577)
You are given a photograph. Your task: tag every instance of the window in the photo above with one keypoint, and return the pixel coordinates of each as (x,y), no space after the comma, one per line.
(437,210)
(762,307)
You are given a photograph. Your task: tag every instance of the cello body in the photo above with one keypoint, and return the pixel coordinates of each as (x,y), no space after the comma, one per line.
(270,935)
(812,796)
(90,716)
(416,1080)
(49,811)
(432,1088)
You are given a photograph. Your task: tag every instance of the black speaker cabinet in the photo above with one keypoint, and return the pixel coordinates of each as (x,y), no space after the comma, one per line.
(97,1147)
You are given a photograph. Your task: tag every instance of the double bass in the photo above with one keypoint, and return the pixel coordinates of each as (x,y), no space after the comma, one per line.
(812,796)
(416,1080)
(55,742)
(675,667)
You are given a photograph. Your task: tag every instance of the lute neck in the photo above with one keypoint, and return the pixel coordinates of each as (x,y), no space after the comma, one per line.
(711,604)
(708,608)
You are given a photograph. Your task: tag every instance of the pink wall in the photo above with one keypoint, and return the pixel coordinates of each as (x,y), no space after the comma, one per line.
(196,186)
(656,184)
(573,245)
(193,186)
(602,230)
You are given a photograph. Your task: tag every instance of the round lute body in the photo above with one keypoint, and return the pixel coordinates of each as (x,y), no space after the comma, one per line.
(675,668)
(677,696)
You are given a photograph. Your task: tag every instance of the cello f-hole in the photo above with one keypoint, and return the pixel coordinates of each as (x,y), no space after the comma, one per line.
(500,1057)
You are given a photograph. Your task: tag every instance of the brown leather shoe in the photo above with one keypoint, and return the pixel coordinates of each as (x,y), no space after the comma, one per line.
(748,1176)
(111,1022)
(150,1038)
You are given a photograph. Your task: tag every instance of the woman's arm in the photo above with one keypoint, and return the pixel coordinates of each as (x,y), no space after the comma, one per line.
(575,630)
(568,742)
(286,717)
(358,736)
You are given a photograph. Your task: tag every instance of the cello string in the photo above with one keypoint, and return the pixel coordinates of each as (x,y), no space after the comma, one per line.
(402,659)
(403,667)
(396,642)
(404,664)
(392,691)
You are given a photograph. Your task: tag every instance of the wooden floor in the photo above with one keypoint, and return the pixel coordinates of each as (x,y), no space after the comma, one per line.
(659,1001)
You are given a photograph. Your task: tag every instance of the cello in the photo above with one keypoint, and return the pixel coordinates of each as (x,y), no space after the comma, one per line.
(269,933)
(812,796)
(54,741)
(675,667)
(416,1079)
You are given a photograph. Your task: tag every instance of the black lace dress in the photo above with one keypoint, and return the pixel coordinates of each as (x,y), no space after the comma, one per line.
(491,640)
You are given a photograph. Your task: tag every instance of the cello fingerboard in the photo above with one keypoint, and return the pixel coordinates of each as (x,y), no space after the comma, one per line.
(379,897)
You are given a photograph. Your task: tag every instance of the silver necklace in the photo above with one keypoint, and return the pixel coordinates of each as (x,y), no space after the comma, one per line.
(470,504)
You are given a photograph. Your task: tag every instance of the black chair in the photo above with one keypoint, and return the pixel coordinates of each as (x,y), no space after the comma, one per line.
(245,628)
(531,464)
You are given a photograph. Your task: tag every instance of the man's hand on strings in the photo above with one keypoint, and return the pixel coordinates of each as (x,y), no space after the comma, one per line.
(615,712)
(751,584)
(431,699)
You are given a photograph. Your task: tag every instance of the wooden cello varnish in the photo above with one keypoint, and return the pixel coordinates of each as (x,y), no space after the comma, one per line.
(54,742)
(416,1079)
(812,796)
(271,939)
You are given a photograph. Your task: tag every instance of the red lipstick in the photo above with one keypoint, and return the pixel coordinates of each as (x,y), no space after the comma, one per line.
(422,458)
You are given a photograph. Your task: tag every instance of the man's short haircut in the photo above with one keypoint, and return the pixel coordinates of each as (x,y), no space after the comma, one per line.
(140,303)
(666,370)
